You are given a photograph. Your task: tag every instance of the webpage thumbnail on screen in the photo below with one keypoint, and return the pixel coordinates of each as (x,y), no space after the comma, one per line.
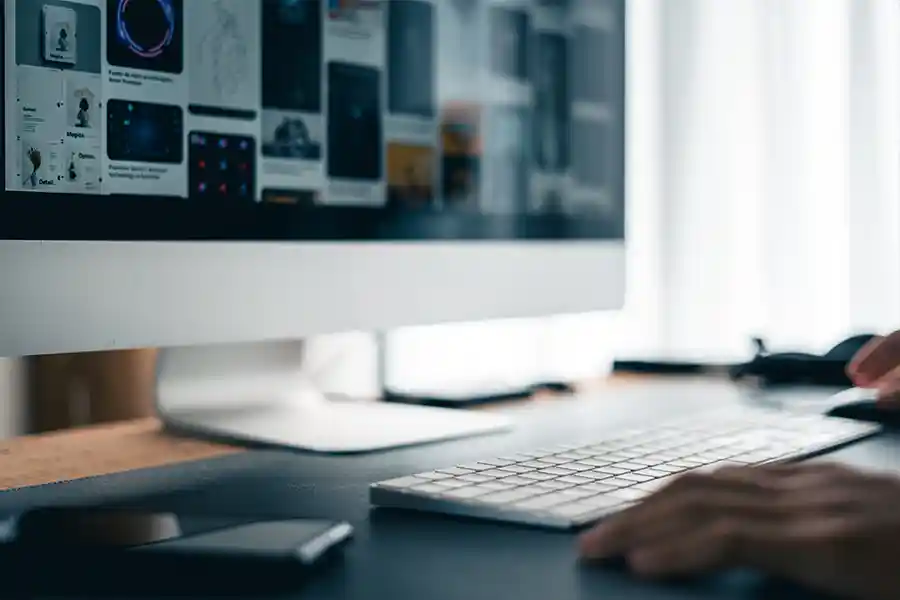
(498,107)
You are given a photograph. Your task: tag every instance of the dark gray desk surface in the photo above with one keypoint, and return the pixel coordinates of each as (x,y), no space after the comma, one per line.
(399,556)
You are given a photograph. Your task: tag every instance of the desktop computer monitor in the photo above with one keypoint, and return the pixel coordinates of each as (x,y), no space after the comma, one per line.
(214,177)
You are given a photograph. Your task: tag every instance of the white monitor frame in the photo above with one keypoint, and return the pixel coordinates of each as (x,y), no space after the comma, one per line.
(83,296)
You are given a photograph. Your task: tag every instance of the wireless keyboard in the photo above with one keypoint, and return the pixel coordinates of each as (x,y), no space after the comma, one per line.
(575,485)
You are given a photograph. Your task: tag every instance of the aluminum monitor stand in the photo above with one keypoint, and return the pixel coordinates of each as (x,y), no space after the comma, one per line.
(258,394)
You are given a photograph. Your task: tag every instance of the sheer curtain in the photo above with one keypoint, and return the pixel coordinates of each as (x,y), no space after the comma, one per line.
(763,175)
(781,177)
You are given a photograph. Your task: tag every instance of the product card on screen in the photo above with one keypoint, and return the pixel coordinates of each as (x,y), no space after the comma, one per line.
(38,96)
(551,142)
(509,29)
(60,34)
(355,138)
(145,144)
(39,162)
(355,57)
(145,42)
(355,31)
(292,123)
(222,58)
(411,72)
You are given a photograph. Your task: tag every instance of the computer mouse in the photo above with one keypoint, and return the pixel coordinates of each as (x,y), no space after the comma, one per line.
(847,349)
(802,368)
(862,406)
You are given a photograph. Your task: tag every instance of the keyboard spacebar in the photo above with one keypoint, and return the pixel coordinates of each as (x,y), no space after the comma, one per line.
(582,511)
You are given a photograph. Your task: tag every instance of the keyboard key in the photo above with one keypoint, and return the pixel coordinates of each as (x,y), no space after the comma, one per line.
(474,478)
(495,486)
(691,461)
(629,494)
(477,467)
(646,461)
(610,470)
(495,474)
(507,497)
(516,469)
(628,454)
(555,472)
(455,471)
(636,478)
(712,467)
(575,467)
(553,460)
(574,480)
(554,484)
(516,480)
(534,464)
(616,457)
(541,502)
(569,456)
(465,493)
(597,488)
(427,488)
(536,454)
(577,493)
(670,468)
(606,501)
(655,485)
(628,466)
(536,476)
(665,457)
(594,475)
(684,464)
(618,482)
(653,473)
(451,483)
(498,462)
(534,489)
(517,458)
(433,476)
(596,462)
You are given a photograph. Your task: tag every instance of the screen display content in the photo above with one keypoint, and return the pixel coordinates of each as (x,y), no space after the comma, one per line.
(314,119)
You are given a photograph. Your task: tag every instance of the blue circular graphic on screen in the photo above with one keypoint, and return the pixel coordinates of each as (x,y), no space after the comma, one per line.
(146,50)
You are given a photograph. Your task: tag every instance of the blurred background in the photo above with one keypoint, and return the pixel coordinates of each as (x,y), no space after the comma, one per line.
(764,166)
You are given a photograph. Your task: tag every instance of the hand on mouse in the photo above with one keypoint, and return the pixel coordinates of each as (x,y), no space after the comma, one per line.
(877,366)
(823,526)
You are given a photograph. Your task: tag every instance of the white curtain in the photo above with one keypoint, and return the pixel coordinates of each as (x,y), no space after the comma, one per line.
(764,169)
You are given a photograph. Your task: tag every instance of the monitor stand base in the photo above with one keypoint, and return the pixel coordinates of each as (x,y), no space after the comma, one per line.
(256,394)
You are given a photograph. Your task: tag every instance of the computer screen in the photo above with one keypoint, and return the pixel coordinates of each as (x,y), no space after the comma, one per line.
(313,119)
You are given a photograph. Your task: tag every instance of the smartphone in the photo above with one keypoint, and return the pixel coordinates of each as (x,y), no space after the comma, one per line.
(100,550)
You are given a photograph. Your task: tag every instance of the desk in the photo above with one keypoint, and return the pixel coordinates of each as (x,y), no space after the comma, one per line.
(399,556)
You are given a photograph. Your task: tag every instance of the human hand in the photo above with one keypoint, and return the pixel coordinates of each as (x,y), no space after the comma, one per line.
(823,526)
(877,366)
